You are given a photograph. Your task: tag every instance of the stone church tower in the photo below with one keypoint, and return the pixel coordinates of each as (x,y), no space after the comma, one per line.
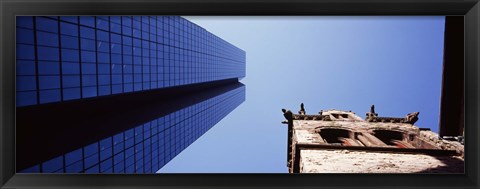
(335,141)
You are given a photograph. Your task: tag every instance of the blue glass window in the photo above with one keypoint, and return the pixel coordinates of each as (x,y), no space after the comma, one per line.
(24,36)
(71,93)
(103,36)
(103,90)
(127,21)
(25,52)
(88,56)
(53,164)
(25,21)
(47,24)
(73,19)
(102,23)
(91,149)
(68,29)
(136,23)
(127,40)
(75,168)
(130,169)
(127,87)
(71,81)
(89,91)
(70,55)
(128,69)
(69,42)
(105,143)
(47,96)
(87,33)
(116,79)
(115,19)
(114,27)
(47,39)
(70,68)
(137,33)
(91,160)
(103,57)
(25,83)
(89,80)
(73,157)
(114,38)
(127,50)
(93,169)
(48,68)
(118,138)
(116,89)
(116,48)
(104,69)
(103,46)
(106,166)
(116,59)
(25,67)
(48,53)
(104,79)
(118,147)
(126,31)
(104,154)
(119,158)
(127,59)
(49,82)
(87,44)
(34,169)
(26,98)
(87,21)
(118,168)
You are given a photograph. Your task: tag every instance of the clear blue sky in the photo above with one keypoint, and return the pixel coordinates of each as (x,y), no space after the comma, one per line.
(345,63)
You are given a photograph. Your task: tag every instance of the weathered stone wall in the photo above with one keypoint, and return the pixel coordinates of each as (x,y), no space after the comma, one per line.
(360,133)
(304,130)
(348,161)
(433,138)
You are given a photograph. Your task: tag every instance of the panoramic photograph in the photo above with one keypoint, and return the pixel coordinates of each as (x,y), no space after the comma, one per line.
(239,94)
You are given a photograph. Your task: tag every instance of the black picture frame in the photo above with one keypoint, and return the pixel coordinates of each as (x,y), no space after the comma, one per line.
(9,9)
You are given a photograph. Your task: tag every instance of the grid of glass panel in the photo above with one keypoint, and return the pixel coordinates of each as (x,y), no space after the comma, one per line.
(76,57)
(148,147)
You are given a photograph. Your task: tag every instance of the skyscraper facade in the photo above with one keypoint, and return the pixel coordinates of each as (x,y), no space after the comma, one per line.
(118,94)
(148,146)
(76,57)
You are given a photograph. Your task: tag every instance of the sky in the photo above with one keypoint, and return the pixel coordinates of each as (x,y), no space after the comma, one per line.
(343,63)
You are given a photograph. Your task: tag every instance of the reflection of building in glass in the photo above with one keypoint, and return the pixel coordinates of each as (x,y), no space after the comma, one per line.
(335,141)
(118,93)
(148,147)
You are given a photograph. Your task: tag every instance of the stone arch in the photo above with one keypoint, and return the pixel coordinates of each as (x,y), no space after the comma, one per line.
(334,135)
(388,136)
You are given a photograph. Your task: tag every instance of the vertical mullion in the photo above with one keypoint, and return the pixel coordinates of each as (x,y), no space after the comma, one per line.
(98,157)
(113,153)
(133,54)
(110,54)
(60,61)
(96,54)
(124,153)
(121,53)
(37,79)
(80,58)
(83,159)
(64,164)
(141,54)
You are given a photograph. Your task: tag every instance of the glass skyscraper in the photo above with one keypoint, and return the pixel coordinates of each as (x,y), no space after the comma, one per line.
(118,94)
(76,57)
